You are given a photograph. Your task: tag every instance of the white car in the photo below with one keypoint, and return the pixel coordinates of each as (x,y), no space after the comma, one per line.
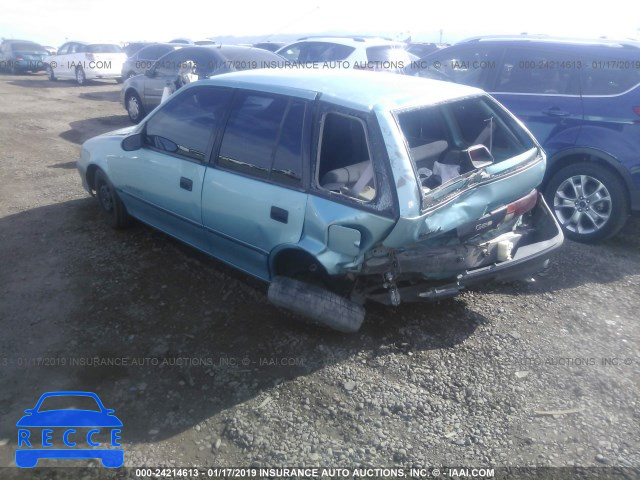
(365,53)
(82,61)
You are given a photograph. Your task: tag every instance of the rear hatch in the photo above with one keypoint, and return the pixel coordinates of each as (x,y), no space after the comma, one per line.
(29,53)
(107,58)
(471,158)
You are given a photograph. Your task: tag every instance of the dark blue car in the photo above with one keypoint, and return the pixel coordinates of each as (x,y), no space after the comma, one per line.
(581,100)
(70,423)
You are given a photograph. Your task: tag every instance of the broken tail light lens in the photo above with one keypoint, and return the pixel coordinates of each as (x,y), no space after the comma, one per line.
(522,205)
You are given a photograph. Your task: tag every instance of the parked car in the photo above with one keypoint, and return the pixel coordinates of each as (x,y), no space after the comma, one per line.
(188,41)
(51,50)
(421,49)
(366,53)
(133,47)
(86,61)
(271,46)
(334,186)
(22,56)
(143,93)
(581,99)
(146,57)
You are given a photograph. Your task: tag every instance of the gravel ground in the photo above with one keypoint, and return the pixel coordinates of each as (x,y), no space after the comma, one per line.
(538,373)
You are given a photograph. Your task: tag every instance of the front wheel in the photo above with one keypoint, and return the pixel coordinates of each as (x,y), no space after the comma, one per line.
(113,208)
(135,110)
(589,202)
(50,74)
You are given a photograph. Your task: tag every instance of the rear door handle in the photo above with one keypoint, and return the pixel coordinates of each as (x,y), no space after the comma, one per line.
(280,214)
(556,112)
(186,183)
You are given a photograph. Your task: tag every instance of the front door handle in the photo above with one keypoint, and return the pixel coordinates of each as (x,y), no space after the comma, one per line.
(556,112)
(280,214)
(186,183)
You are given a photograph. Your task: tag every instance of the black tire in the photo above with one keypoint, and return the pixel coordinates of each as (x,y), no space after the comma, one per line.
(81,78)
(319,305)
(113,208)
(135,109)
(50,73)
(589,202)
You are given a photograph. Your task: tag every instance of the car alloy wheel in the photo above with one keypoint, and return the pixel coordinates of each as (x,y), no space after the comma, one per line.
(589,200)
(582,204)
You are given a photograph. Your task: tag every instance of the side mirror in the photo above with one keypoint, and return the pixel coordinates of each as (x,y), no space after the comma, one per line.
(132,142)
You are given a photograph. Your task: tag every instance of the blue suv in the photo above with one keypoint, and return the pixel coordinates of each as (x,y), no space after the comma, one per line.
(581,100)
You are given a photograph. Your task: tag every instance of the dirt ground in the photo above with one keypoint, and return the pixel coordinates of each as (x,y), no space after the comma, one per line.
(203,371)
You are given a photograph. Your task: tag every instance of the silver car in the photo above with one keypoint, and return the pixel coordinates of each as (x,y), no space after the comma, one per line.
(142,93)
(145,58)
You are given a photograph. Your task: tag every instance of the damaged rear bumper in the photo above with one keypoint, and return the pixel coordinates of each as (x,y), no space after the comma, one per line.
(534,247)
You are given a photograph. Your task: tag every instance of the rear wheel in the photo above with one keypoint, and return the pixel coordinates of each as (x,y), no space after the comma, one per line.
(113,208)
(589,202)
(317,304)
(81,78)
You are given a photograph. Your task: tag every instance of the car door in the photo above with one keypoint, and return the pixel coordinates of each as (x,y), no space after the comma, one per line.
(253,199)
(541,86)
(58,62)
(161,183)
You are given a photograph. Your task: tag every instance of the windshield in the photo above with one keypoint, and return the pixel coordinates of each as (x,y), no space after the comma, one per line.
(69,402)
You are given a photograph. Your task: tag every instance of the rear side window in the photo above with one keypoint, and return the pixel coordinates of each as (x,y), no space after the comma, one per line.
(184,125)
(153,52)
(263,138)
(539,71)
(609,75)
(345,165)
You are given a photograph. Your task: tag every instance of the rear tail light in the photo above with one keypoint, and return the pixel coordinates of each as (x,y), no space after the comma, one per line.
(522,205)
(636,109)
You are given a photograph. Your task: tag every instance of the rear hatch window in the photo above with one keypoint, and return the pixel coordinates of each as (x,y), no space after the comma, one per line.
(103,48)
(460,143)
(388,57)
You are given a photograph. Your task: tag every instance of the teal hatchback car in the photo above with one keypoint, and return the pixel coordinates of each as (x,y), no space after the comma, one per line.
(336,187)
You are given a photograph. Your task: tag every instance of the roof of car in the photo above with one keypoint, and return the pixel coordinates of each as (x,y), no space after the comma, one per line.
(344,87)
(353,41)
(524,38)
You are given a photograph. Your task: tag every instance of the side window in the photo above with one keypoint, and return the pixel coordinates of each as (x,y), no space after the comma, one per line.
(472,65)
(184,125)
(344,164)
(170,64)
(293,52)
(263,138)
(153,53)
(539,71)
(609,75)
